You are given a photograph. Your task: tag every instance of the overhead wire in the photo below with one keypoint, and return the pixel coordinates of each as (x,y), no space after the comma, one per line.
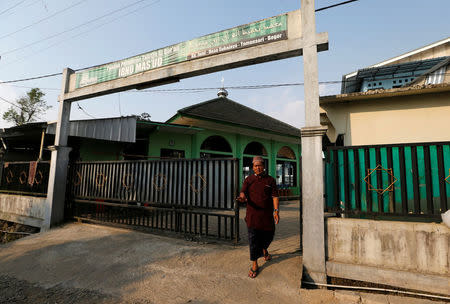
(72,28)
(28,5)
(12,7)
(31,78)
(17,106)
(334,5)
(103,16)
(85,112)
(242,87)
(134,3)
(79,34)
(43,19)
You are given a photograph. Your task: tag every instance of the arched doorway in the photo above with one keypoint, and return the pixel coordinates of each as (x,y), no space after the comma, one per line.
(252,149)
(215,147)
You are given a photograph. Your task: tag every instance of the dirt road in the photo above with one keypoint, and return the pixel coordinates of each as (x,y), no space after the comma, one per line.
(85,262)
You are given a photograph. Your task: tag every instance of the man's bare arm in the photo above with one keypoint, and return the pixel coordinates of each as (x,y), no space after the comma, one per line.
(276,213)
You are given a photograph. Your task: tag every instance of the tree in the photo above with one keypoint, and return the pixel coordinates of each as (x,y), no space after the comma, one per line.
(28,108)
(144,116)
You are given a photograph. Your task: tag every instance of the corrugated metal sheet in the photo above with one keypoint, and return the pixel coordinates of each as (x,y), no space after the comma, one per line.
(437,77)
(122,129)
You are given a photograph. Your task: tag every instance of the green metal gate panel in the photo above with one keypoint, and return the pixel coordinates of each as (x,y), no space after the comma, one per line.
(399,179)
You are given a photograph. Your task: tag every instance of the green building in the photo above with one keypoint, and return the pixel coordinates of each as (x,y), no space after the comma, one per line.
(218,128)
(225,128)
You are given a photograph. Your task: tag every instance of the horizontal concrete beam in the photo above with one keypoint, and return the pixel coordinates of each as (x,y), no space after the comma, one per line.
(258,54)
(27,210)
(276,50)
(404,279)
(21,219)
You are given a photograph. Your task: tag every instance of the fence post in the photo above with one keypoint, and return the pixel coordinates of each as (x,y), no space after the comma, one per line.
(1,172)
(236,222)
(236,203)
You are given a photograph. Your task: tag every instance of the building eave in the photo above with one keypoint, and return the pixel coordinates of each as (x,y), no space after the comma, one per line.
(403,91)
(407,54)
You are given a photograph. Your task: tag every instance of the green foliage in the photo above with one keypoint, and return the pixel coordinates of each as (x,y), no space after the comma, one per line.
(28,109)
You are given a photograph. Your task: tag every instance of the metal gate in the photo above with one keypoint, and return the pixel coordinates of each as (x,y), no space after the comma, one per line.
(195,198)
(406,180)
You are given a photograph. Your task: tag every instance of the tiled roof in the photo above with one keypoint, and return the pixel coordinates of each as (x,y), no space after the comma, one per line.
(225,110)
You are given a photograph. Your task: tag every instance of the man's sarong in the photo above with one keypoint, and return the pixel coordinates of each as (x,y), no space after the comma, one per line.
(259,240)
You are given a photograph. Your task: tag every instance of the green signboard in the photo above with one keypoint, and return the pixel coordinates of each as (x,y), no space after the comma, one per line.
(260,32)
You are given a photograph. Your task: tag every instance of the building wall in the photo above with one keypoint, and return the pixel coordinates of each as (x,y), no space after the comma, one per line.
(166,140)
(191,145)
(404,254)
(99,150)
(402,119)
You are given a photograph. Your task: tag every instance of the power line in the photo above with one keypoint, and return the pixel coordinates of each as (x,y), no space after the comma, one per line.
(108,14)
(84,111)
(79,34)
(31,78)
(13,104)
(262,86)
(42,20)
(28,5)
(28,87)
(249,87)
(334,5)
(10,102)
(71,29)
(10,8)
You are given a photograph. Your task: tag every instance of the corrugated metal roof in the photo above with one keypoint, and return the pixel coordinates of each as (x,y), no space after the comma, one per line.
(408,67)
(122,129)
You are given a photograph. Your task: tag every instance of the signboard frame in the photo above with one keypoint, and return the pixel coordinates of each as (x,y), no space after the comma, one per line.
(289,43)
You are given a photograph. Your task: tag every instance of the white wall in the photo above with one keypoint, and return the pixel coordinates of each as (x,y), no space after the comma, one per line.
(417,252)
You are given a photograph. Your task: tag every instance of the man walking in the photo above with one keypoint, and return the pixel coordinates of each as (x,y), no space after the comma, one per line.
(260,192)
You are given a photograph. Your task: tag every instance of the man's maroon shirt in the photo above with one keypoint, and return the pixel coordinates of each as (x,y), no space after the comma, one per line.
(260,190)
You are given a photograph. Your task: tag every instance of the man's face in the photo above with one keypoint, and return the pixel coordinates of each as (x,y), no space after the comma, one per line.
(258,167)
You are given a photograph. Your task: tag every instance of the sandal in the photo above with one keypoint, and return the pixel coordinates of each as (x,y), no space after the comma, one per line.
(267,257)
(253,273)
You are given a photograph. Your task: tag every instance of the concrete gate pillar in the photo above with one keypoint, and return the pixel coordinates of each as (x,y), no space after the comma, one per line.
(312,167)
(56,191)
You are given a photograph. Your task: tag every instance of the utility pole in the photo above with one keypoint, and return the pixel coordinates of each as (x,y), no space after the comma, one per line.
(313,226)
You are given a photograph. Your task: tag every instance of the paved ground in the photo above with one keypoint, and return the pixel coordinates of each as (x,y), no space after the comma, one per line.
(83,263)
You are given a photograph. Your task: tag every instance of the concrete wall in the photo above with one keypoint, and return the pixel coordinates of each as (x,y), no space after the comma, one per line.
(401,119)
(26,210)
(404,254)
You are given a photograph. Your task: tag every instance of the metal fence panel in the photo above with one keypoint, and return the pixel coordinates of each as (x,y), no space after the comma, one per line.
(194,197)
(400,179)
(14,178)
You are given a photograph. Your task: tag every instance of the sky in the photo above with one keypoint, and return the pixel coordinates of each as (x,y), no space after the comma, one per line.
(41,37)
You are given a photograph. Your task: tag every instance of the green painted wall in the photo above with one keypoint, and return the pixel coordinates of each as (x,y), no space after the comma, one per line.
(238,142)
(99,150)
(167,140)
(190,144)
